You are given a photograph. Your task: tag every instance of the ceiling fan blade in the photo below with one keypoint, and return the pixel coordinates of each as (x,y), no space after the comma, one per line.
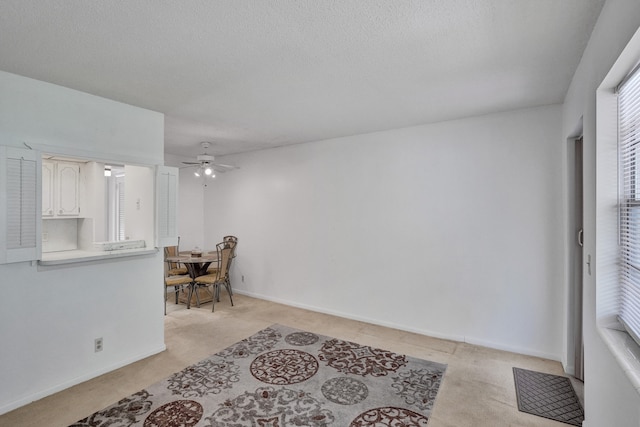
(191,163)
(226,166)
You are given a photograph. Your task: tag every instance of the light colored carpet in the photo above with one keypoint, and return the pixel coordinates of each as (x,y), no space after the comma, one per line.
(478,390)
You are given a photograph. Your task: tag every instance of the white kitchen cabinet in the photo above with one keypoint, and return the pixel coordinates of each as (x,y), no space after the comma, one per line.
(60,189)
(48,176)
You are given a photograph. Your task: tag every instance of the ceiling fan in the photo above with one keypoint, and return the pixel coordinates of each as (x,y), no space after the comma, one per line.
(206,167)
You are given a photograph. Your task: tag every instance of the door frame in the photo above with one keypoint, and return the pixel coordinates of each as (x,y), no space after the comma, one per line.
(574,203)
(578,258)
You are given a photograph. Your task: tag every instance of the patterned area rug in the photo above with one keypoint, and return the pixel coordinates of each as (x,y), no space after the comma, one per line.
(286,377)
(549,396)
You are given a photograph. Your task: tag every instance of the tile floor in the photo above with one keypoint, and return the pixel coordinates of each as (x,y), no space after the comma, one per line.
(477,389)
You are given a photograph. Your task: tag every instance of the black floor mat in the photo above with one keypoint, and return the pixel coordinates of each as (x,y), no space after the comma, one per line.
(549,396)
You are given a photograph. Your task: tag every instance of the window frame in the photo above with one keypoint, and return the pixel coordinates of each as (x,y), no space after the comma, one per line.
(628,125)
(605,244)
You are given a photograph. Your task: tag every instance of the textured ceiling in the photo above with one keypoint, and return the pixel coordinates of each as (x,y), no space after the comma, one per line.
(248,74)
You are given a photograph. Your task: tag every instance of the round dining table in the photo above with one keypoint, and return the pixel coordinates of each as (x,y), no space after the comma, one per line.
(196,266)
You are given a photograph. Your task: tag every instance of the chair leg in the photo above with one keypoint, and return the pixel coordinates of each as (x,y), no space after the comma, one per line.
(197,296)
(228,286)
(213,300)
(177,289)
(189,296)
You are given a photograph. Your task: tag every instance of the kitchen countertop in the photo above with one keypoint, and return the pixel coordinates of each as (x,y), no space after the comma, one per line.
(73,256)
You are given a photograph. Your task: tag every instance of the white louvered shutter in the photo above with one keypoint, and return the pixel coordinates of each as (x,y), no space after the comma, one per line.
(20,205)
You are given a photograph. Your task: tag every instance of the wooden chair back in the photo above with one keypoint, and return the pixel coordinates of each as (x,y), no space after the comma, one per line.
(233,241)
(170,251)
(225,252)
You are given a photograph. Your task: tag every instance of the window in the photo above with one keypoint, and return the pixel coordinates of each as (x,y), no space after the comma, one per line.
(120,210)
(116,204)
(629,202)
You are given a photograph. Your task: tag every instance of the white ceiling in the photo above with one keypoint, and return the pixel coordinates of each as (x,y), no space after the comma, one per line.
(249,74)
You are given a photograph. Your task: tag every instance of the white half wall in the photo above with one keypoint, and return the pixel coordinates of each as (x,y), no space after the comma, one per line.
(451,230)
(49,317)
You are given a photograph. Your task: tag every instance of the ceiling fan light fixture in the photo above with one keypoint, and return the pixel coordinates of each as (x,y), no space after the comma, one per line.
(205,166)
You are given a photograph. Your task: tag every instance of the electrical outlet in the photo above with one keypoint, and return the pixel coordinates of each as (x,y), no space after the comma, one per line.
(243,278)
(98,344)
(45,237)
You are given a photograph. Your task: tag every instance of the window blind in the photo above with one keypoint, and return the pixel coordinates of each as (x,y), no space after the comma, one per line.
(629,202)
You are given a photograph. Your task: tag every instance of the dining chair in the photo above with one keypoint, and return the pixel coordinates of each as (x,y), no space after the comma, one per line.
(233,239)
(177,283)
(229,241)
(173,268)
(220,276)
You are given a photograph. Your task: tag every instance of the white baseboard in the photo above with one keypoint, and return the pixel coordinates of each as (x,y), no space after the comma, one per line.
(349,316)
(513,349)
(25,400)
(569,369)
(434,334)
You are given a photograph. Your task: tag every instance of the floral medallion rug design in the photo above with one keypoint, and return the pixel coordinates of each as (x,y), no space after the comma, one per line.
(286,377)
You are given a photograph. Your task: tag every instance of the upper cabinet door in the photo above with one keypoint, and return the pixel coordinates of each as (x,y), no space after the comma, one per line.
(68,176)
(48,178)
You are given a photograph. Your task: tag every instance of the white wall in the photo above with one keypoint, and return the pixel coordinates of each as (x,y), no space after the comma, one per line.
(191,213)
(49,317)
(95,201)
(190,199)
(450,229)
(61,121)
(139,204)
(610,399)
